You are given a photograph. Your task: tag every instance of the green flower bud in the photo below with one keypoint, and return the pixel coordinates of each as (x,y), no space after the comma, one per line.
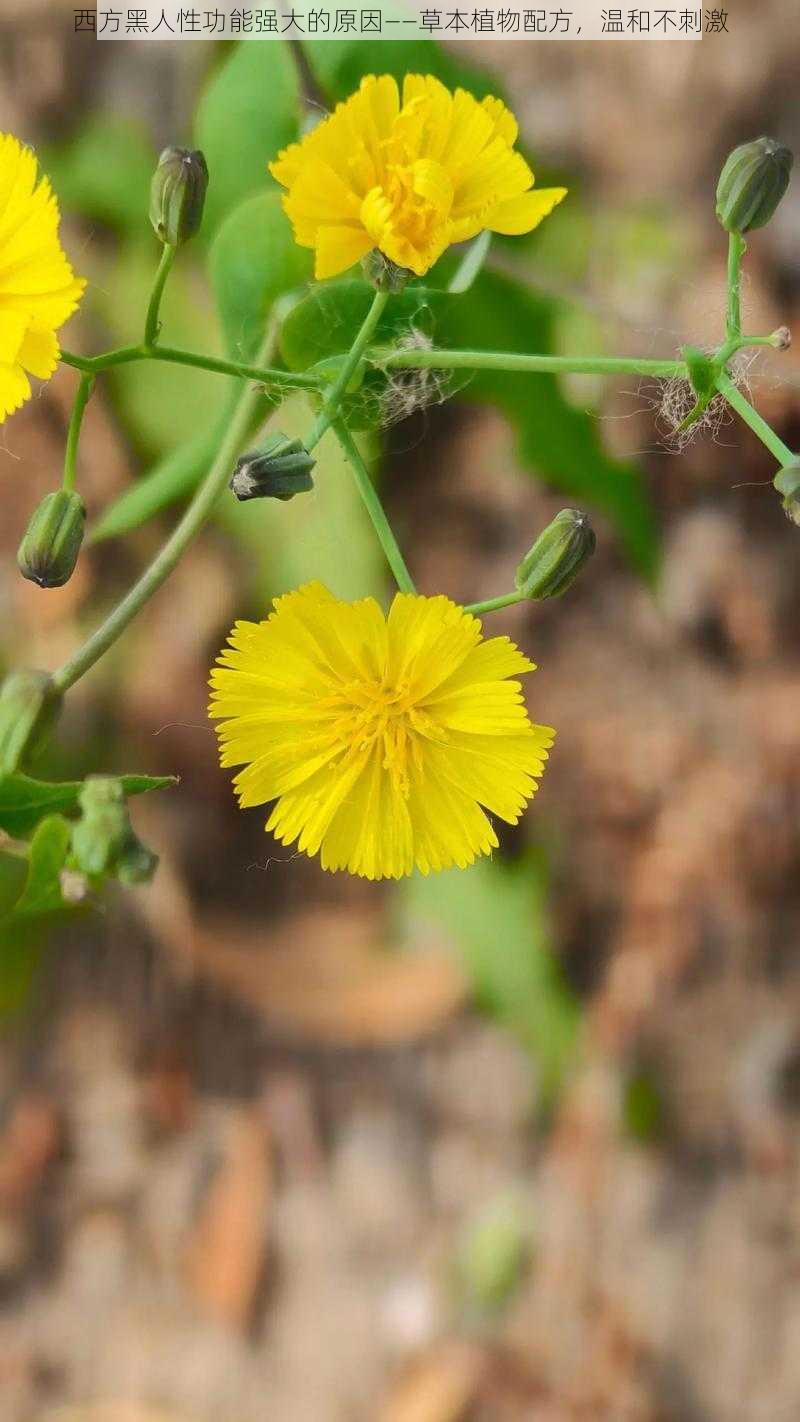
(557,556)
(29,706)
(177,195)
(49,549)
(280,469)
(99,836)
(383,274)
(103,841)
(787,483)
(753,180)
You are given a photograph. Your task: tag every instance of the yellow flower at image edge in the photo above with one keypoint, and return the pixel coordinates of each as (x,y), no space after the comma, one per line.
(383,739)
(38,288)
(409,176)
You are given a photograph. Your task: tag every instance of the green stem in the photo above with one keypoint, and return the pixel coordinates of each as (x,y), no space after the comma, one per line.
(151,321)
(330,407)
(757,423)
(374,507)
(169,555)
(736,250)
(124,355)
(498,360)
(493,604)
(82,394)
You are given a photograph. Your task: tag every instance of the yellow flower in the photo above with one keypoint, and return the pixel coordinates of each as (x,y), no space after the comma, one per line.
(38,289)
(407,178)
(379,737)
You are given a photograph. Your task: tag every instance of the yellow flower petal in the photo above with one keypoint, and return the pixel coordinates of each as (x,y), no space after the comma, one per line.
(522,214)
(382,740)
(38,289)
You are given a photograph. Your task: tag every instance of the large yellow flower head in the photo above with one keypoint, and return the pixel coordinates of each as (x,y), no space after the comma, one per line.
(407,177)
(381,738)
(38,288)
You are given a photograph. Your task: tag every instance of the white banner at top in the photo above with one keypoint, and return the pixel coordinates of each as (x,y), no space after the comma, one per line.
(171,20)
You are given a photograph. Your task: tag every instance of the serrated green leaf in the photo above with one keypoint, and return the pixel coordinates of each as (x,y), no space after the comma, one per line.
(249,111)
(556,440)
(24,801)
(254,260)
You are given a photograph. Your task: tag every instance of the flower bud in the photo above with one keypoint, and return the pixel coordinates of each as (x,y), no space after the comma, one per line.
(99,836)
(557,556)
(753,180)
(280,469)
(29,706)
(49,549)
(103,841)
(383,274)
(177,195)
(787,483)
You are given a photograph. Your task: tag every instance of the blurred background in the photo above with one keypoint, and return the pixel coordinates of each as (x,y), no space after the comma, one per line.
(520,1144)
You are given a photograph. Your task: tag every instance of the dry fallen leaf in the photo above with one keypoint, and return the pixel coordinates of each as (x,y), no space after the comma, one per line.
(326,977)
(225,1255)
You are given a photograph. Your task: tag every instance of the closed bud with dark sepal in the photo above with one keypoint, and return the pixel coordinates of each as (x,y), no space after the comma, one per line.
(557,556)
(29,707)
(753,180)
(178,195)
(280,469)
(52,541)
(787,483)
(383,274)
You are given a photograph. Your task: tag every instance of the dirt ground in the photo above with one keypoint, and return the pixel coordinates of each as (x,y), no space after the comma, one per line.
(248,1161)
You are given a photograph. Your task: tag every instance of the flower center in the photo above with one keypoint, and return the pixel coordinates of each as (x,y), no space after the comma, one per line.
(415,216)
(374,716)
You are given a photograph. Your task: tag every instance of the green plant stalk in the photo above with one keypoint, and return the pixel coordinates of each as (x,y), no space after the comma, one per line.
(125,355)
(757,423)
(170,554)
(332,401)
(736,250)
(151,325)
(493,604)
(85,386)
(374,507)
(510,360)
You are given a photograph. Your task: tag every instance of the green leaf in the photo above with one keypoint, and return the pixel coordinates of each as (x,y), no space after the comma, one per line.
(496,917)
(42,894)
(556,440)
(172,478)
(13,870)
(253,261)
(326,321)
(24,802)
(470,265)
(39,904)
(105,172)
(339,65)
(248,112)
